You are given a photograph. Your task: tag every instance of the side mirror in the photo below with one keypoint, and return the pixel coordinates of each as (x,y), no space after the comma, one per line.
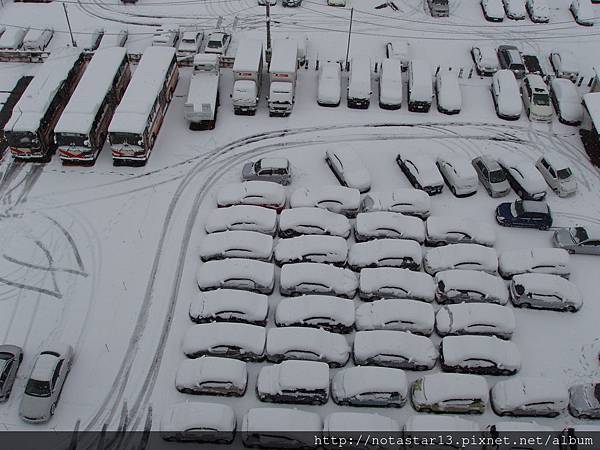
(230,95)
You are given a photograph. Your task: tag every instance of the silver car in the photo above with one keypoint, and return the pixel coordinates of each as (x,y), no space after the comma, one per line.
(578,240)
(584,401)
(11,358)
(45,383)
(491,176)
(277,170)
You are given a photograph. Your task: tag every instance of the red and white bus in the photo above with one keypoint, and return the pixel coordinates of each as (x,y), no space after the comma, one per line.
(30,130)
(138,118)
(83,127)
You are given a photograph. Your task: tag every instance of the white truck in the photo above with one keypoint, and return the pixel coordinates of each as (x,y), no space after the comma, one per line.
(247,77)
(282,77)
(203,96)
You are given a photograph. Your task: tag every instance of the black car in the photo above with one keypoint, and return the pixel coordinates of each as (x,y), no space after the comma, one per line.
(533,65)
(510,58)
(11,358)
(524,213)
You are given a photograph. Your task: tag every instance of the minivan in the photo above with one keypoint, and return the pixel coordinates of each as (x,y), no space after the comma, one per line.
(510,58)
(536,98)
(359,84)
(420,86)
(558,174)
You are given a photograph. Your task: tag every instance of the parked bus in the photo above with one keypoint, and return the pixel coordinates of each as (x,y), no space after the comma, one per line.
(81,131)
(30,129)
(590,126)
(137,120)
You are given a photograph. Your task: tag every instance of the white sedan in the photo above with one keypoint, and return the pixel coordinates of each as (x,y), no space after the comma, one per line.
(515,9)
(449,97)
(566,101)
(349,169)
(329,90)
(485,59)
(493,10)
(422,173)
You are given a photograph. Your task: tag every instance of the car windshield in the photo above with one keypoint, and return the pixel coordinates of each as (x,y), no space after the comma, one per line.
(214,44)
(497,176)
(257,166)
(580,234)
(519,208)
(541,99)
(37,388)
(564,174)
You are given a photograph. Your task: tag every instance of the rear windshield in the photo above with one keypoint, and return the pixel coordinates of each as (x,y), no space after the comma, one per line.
(541,99)
(497,176)
(563,174)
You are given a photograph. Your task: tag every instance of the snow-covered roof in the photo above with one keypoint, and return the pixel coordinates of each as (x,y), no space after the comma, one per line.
(509,98)
(441,386)
(459,350)
(236,244)
(259,193)
(353,169)
(592,104)
(449,96)
(44,367)
(242,217)
(317,278)
(465,318)
(386,224)
(284,56)
(299,309)
(12,38)
(414,349)
(406,201)
(461,165)
(396,314)
(283,420)
(131,116)
(385,253)
(293,375)
(426,171)
(535,206)
(536,260)
(456,229)
(205,336)
(567,61)
(222,302)
(461,256)
(542,285)
(194,372)
(312,248)
(314,343)
(422,423)
(338,199)
(396,283)
(367,379)
(422,89)
(248,56)
(275,163)
(198,415)
(556,160)
(518,391)
(113,38)
(352,421)
(359,82)
(525,172)
(227,272)
(454,282)
(313,220)
(206,58)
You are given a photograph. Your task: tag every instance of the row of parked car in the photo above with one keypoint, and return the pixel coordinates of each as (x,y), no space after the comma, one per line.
(538,10)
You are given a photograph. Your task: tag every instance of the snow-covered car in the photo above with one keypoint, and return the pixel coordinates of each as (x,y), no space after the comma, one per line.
(390,348)
(430,423)
(396,314)
(525,214)
(190,44)
(388,225)
(583,240)
(402,253)
(459,174)
(232,340)
(264,2)
(114,38)
(506,95)
(37,39)
(310,344)
(294,381)
(536,98)
(318,311)
(370,386)
(229,305)
(523,177)
(538,11)
(236,244)
(447,91)
(443,230)
(584,400)
(217,42)
(12,39)
(92,39)
(485,355)
(565,64)
(198,422)
(461,257)
(276,170)
(515,9)
(390,84)
(312,248)
(458,286)
(337,199)
(166,36)
(315,278)
(491,176)
(557,172)
(450,393)
(544,291)
(210,375)
(258,193)
(338,423)
(237,273)
(554,261)
(410,202)
(391,282)
(349,169)
(485,59)
(422,173)
(329,90)
(566,101)
(280,428)
(529,396)
(493,10)
(399,50)
(583,13)
(317,221)
(475,319)
(242,217)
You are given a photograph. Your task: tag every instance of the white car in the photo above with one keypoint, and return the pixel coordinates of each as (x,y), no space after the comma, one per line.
(190,44)
(443,230)
(411,202)
(458,286)
(238,273)
(566,100)
(231,340)
(506,95)
(538,10)
(242,217)
(310,344)
(459,174)
(396,314)
(544,291)
(523,177)
(209,375)
(198,422)
(565,64)
(294,382)
(555,261)
(236,244)
(318,311)
(536,98)
(402,253)
(312,248)
(388,225)
(312,221)
(493,10)
(390,282)
(583,12)
(280,428)
(349,169)
(166,37)
(329,90)
(485,59)
(429,423)
(557,173)
(398,349)
(337,199)
(515,9)
(370,386)
(461,257)
(475,319)
(218,43)
(529,396)
(447,89)
(422,173)
(390,84)
(230,305)
(450,393)
(485,355)
(258,193)
(314,278)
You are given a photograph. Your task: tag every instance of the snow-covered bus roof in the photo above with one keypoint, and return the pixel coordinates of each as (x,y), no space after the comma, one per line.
(592,104)
(147,81)
(248,56)
(93,87)
(284,56)
(32,106)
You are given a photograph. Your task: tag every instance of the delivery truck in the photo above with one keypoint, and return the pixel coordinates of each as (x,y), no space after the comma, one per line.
(203,96)
(282,77)
(247,77)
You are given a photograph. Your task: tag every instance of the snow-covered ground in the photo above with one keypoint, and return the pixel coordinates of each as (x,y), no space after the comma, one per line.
(105,258)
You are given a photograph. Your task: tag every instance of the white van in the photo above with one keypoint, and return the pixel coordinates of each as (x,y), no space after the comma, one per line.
(420,86)
(390,84)
(536,98)
(12,38)
(359,84)
(37,39)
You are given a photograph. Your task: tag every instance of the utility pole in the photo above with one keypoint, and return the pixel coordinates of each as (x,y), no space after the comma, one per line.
(268,19)
(69,25)
(349,36)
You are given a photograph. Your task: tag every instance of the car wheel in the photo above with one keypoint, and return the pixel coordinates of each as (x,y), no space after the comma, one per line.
(571,309)
(453,190)
(525,305)
(52,409)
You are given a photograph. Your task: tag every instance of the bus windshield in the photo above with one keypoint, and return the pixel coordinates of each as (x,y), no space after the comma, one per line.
(21,139)
(71,140)
(126,138)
